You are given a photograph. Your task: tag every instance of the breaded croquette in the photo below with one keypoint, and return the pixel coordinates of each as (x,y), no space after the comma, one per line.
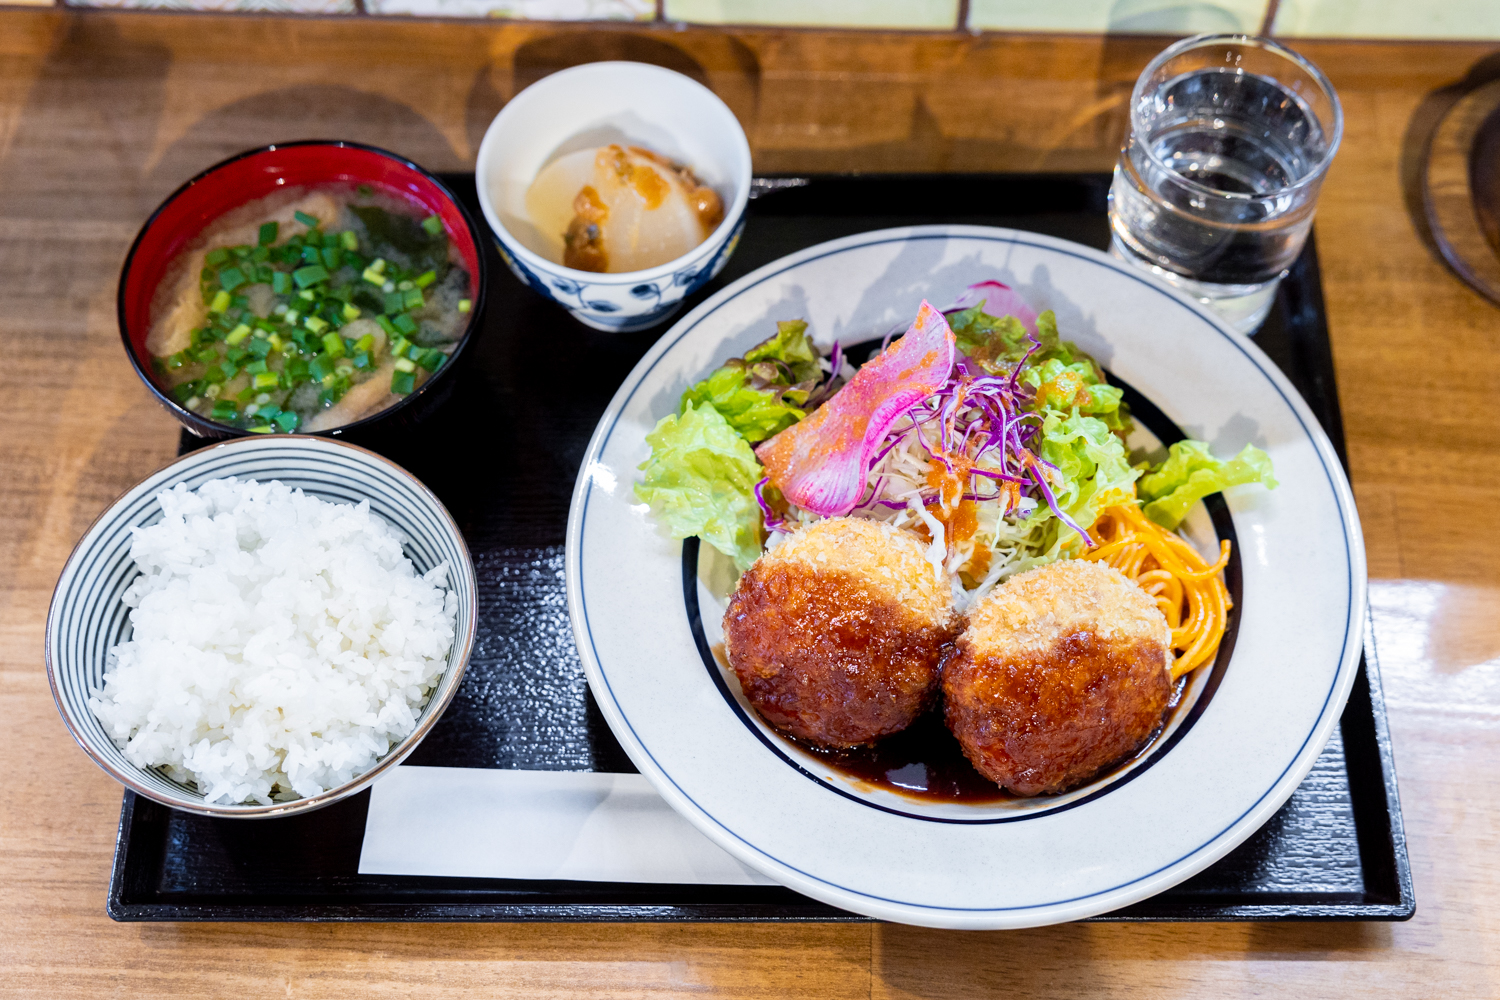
(837,634)
(1061,672)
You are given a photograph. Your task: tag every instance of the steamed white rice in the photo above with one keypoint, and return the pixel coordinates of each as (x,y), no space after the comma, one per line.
(281,644)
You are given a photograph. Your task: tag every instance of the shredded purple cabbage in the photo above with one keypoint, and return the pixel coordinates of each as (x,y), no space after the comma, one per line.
(980,416)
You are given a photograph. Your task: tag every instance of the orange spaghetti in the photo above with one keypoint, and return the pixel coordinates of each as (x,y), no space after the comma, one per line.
(1187,589)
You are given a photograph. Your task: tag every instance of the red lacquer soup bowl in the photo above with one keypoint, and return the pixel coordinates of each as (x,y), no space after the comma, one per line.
(253,175)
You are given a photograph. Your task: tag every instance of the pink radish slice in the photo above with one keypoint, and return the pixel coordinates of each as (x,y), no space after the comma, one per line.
(822,463)
(999,301)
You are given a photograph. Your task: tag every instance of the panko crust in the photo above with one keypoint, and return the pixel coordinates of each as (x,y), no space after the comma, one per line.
(837,635)
(1062,672)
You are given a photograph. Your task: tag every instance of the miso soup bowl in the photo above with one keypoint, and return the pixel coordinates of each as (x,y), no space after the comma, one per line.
(255,174)
(88,616)
(594,105)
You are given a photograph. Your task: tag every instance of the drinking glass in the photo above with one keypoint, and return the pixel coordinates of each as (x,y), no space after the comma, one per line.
(1214,191)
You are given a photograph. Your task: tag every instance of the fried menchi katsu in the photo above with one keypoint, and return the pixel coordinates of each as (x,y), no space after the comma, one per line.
(1062,671)
(837,634)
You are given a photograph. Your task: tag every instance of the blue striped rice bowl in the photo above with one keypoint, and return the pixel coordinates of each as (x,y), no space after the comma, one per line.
(88,616)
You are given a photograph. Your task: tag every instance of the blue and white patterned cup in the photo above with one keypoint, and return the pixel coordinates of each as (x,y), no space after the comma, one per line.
(593,105)
(88,616)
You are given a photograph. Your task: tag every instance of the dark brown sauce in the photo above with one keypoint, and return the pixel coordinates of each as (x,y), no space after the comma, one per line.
(926,763)
(923,761)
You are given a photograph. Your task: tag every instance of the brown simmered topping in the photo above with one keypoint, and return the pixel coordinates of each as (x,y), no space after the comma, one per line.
(584,240)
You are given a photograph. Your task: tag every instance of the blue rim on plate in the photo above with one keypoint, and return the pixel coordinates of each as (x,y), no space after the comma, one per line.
(636,687)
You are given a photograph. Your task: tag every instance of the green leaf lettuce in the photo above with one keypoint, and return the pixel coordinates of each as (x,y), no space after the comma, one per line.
(700,480)
(762,393)
(1190,473)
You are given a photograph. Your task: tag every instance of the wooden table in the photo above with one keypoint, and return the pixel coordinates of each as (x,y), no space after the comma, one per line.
(101,115)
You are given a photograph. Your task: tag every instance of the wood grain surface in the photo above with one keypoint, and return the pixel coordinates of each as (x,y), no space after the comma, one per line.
(101,115)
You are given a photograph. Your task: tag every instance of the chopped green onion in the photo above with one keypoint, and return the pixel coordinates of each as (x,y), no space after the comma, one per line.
(361,360)
(215,375)
(404,286)
(205,354)
(305,276)
(276,342)
(332,257)
(216,257)
(399,346)
(351,312)
(423,280)
(385,325)
(414,352)
(220,302)
(225,410)
(320,367)
(260,254)
(414,299)
(260,347)
(348,240)
(405,324)
(231,278)
(251,410)
(315,323)
(241,251)
(228,369)
(394,303)
(257,366)
(268,233)
(236,335)
(433,225)
(305,219)
(378,265)
(432,359)
(312,255)
(333,345)
(365,343)
(373,276)
(286,420)
(264,275)
(464,305)
(281,283)
(262,429)
(405,365)
(290,317)
(266,380)
(402,382)
(212,390)
(246,394)
(176,360)
(307,294)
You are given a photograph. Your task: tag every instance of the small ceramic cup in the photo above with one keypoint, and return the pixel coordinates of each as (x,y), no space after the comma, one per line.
(594,105)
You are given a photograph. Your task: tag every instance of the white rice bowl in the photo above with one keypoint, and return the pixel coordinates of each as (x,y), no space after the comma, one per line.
(281,644)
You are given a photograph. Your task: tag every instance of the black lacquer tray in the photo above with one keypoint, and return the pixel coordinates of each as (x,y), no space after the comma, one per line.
(503,453)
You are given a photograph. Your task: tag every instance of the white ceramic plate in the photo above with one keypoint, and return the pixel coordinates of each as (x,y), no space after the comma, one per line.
(1249,730)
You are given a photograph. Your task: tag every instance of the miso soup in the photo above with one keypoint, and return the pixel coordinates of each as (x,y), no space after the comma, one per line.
(308,310)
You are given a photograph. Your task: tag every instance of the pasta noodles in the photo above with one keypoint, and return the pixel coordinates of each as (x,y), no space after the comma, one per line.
(1187,589)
